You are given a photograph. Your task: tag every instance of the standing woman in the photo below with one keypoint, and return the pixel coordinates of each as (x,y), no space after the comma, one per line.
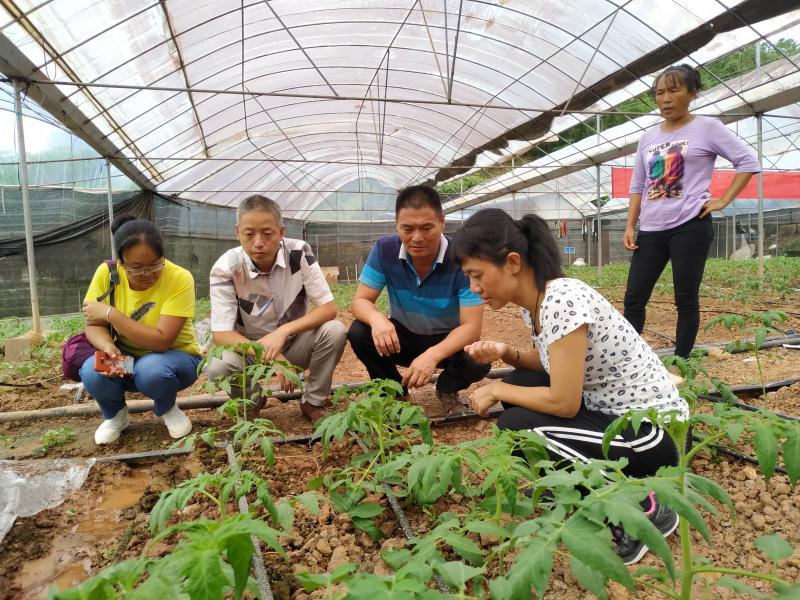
(152,317)
(587,365)
(670,198)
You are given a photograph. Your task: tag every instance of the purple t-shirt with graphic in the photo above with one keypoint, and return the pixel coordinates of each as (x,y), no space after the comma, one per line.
(673,169)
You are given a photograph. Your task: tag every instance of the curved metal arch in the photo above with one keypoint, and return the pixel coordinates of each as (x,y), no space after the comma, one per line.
(394,150)
(211,133)
(232,105)
(288,89)
(574,38)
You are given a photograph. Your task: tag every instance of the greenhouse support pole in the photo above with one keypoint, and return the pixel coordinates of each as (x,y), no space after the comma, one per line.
(599,225)
(759,122)
(26,208)
(110,208)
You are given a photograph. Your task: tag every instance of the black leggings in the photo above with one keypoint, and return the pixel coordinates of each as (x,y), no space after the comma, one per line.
(687,247)
(581,437)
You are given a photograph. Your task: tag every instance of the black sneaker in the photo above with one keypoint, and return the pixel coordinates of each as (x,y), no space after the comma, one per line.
(631,550)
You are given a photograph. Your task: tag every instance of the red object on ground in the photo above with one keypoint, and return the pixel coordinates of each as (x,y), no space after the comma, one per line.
(777,186)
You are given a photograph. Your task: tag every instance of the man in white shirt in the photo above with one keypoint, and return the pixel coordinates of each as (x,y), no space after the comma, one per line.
(271,290)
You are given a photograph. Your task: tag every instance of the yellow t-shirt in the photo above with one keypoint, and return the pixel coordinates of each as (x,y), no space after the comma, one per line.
(172,294)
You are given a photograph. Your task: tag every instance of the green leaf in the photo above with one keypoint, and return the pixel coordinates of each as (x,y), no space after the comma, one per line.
(205,579)
(239,553)
(612,430)
(366,510)
(791,454)
(368,527)
(761,336)
(766,448)
(586,542)
(593,581)
(625,510)
(487,527)
(310,502)
(786,591)
(672,498)
(457,574)
(774,546)
(311,582)
(464,547)
(739,587)
(709,488)
(532,568)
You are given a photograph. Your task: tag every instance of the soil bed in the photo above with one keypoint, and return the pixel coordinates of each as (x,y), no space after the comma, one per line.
(320,543)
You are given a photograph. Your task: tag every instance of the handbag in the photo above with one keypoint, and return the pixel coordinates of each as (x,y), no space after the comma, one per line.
(78,348)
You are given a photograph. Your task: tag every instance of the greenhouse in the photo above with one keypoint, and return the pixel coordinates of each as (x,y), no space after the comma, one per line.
(225,225)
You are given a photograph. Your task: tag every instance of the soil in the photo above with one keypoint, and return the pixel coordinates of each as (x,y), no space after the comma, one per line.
(58,539)
(104,521)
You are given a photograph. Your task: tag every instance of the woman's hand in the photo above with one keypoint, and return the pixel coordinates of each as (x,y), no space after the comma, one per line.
(486,352)
(483,398)
(110,348)
(95,311)
(710,206)
(629,239)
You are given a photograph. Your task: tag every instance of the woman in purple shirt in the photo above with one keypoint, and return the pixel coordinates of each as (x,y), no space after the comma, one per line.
(672,202)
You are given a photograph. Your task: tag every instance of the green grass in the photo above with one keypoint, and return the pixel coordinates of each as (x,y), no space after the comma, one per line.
(343,295)
(723,279)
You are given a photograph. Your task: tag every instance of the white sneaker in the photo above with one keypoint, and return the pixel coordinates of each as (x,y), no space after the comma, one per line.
(178,424)
(110,429)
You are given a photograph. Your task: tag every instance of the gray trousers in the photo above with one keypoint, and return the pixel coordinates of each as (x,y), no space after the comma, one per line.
(317,350)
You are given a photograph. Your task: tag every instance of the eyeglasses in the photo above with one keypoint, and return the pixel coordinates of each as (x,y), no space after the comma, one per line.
(145,270)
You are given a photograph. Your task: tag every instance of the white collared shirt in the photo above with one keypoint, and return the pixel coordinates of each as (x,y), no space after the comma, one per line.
(254,303)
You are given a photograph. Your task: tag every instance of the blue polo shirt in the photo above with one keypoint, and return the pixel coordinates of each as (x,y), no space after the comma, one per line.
(428,306)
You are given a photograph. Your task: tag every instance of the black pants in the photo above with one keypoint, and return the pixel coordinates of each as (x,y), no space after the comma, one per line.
(581,437)
(459,370)
(687,247)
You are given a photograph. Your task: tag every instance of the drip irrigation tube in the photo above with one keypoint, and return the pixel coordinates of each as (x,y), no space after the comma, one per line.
(769,343)
(747,407)
(209,401)
(736,454)
(137,456)
(262,577)
(185,403)
(403,521)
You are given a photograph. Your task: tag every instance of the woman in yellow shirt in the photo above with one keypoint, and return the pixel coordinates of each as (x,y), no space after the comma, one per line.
(152,317)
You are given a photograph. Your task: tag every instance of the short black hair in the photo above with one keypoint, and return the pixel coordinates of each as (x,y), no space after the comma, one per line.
(418,196)
(262,203)
(491,234)
(128,231)
(686,74)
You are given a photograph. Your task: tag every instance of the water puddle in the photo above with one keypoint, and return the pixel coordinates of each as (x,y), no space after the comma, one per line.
(67,563)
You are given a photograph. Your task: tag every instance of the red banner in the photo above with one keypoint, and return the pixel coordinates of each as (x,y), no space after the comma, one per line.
(777,186)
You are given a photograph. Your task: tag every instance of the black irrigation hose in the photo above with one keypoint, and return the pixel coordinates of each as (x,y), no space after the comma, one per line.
(262,577)
(403,521)
(735,454)
(775,385)
(138,456)
(744,406)
(769,343)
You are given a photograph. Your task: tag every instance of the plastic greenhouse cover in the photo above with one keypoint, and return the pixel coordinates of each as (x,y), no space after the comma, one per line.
(622,139)
(29,487)
(496,53)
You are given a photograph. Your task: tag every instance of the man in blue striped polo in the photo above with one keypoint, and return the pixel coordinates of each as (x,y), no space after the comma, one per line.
(432,312)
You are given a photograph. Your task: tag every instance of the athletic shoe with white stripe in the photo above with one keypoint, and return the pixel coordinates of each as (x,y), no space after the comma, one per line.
(631,550)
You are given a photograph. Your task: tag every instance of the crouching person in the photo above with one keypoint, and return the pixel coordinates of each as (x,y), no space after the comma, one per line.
(587,366)
(151,315)
(432,313)
(272,291)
